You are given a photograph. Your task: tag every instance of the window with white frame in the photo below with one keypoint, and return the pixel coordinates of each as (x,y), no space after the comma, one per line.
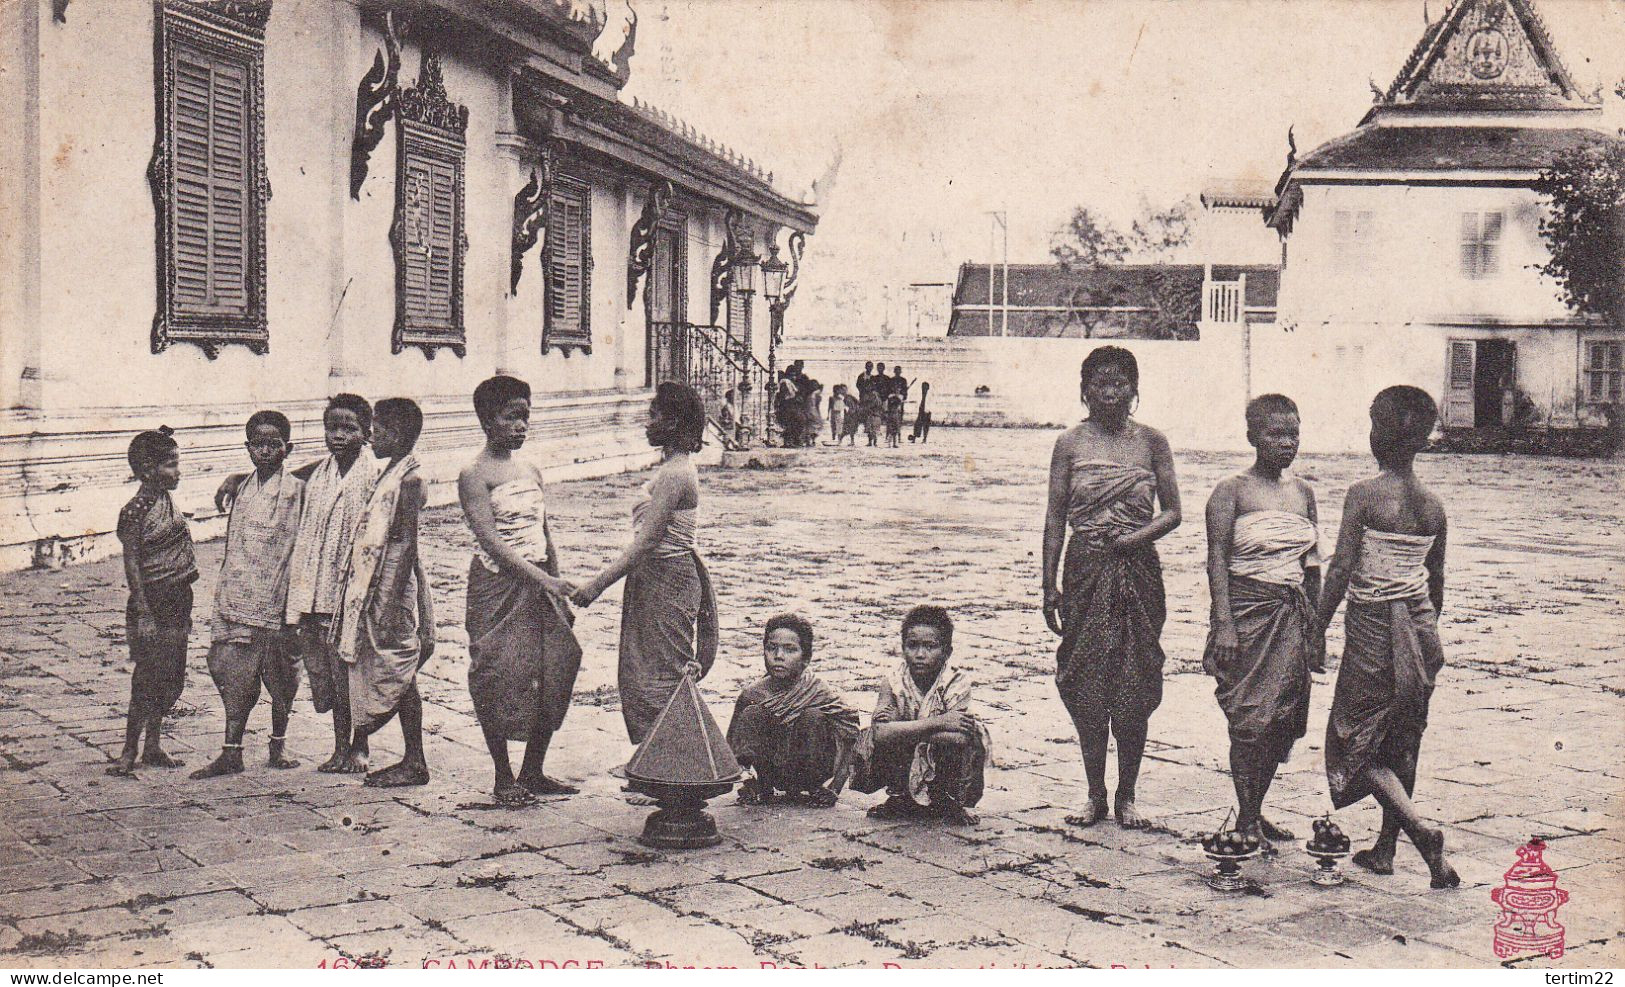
(1353,239)
(1481,244)
(1604,372)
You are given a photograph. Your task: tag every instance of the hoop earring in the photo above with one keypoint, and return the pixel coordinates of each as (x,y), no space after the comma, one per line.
(1136,406)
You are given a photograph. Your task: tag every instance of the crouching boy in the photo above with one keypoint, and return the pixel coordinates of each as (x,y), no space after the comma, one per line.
(923,745)
(792,730)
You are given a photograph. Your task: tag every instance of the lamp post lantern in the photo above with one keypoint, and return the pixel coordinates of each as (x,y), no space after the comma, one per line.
(773,276)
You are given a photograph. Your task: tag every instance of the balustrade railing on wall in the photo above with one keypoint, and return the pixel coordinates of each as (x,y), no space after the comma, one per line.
(1224,301)
(710,360)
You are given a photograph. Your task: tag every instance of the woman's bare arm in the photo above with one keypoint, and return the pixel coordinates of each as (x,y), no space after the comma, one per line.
(665,495)
(1060,468)
(1221,525)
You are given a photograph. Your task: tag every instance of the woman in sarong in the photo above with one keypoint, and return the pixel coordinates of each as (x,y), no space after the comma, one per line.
(1264,575)
(669,614)
(1112,482)
(523,656)
(1390,562)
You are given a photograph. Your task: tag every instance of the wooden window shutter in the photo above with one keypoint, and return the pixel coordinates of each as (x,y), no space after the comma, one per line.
(208,176)
(567,316)
(428,233)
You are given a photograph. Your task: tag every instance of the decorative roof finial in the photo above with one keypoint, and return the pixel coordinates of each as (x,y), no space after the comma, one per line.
(1291,148)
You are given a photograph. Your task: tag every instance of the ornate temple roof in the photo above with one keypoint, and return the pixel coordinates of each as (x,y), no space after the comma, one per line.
(1484,90)
(1481,55)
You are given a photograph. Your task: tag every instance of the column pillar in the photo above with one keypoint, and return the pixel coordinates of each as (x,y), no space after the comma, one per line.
(20,230)
(518,156)
(632,320)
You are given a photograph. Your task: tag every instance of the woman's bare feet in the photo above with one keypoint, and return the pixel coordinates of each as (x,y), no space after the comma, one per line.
(230,762)
(344,762)
(1274,832)
(124,766)
(154,757)
(277,757)
(1378,860)
(1128,816)
(1430,843)
(1093,814)
(541,784)
(513,795)
(402,775)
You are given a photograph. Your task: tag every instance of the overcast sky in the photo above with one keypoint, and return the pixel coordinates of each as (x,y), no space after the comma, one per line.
(945,109)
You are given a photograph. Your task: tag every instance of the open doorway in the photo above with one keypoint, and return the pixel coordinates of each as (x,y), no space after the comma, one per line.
(1483,383)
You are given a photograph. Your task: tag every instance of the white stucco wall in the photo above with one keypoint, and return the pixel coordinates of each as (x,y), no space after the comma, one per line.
(1414,270)
(80,374)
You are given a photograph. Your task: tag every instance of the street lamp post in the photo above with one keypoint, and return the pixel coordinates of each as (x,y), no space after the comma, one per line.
(773,276)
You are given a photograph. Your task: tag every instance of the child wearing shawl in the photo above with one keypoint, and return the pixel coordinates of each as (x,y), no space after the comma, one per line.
(923,745)
(249,646)
(384,629)
(795,732)
(336,492)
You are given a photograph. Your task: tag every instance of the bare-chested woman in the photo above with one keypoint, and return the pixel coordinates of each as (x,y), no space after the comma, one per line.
(523,656)
(1112,482)
(1263,574)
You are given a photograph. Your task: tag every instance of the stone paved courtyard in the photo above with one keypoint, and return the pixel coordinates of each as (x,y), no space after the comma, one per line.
(294,868)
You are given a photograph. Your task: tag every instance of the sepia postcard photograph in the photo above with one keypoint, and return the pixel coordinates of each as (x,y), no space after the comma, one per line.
(811,484)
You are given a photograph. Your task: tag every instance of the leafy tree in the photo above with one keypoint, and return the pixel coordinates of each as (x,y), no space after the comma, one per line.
(1090,244)
(1584,228)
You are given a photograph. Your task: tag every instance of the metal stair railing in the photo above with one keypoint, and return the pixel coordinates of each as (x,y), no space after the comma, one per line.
(710,360)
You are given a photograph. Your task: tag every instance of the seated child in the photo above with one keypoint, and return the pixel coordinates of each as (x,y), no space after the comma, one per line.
(160,567)
(923,745)
(794,731)
(385,625)
(249,645)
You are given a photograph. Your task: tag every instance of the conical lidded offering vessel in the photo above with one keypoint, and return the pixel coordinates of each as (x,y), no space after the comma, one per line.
(684,761)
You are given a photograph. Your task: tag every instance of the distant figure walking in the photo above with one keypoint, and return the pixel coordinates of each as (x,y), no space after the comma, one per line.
(922,418)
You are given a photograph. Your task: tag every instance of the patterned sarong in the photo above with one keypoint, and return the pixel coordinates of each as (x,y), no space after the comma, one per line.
(1391,656)
(522,654)
(668,618)
(1264,689)
(1109,665)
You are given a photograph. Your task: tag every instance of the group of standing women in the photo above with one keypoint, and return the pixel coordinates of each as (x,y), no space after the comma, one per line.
(523,655)
(1112,486)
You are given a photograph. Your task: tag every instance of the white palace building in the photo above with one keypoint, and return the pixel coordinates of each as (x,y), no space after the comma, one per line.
(213,206)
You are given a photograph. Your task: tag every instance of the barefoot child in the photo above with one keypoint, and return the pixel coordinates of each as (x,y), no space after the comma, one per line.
(1264,575)
(249,644)
(523,657)
(794,731)
(336,493)
(160,568)
(923,745)
(1390,561)
(384,629)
